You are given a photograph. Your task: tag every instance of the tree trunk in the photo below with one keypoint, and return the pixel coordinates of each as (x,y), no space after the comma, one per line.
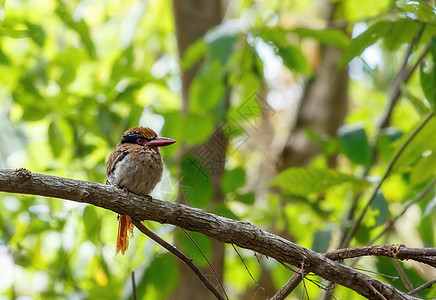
(323,109)
(193,18)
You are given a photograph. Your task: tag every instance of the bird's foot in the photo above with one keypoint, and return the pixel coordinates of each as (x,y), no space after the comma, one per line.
(121,190)
(149,198)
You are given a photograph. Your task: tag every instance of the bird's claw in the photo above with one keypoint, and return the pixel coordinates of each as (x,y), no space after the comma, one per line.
(121,190)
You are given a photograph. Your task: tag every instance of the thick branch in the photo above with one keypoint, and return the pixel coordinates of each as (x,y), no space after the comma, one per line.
(223,229)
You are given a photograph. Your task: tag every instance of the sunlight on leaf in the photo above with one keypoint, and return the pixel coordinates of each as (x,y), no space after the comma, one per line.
(305,181)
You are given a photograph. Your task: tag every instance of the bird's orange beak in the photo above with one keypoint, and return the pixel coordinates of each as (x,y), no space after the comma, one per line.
(160,142)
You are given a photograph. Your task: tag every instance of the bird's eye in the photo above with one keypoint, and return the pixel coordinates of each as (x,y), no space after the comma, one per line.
(140,141)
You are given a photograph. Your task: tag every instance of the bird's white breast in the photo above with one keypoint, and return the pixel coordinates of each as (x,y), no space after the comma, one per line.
(138,172)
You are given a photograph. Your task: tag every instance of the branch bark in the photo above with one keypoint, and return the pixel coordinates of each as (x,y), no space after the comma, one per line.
(401,252)
(290,285)
(242,234)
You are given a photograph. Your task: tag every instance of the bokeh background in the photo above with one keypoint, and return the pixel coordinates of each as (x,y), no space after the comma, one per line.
(286,115)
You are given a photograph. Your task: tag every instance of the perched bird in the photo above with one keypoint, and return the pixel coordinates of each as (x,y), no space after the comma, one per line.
(135,166)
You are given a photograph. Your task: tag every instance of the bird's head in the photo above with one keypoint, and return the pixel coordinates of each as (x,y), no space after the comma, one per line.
(145,136)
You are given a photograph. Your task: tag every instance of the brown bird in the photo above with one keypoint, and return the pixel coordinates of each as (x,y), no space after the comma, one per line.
(135,166)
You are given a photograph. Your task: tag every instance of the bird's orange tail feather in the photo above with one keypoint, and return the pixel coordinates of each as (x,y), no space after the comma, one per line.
(124,226)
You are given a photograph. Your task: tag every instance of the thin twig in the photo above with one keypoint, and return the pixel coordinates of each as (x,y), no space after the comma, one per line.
(372,288)
(208,262)
(304,283)
(391,223)
(288,267)
(403,275)
(403,76)
(257,257)
(377,273)
(249,273)
(385,175)
(289,286)
(422,287)
(180,255)
(315,282)
(133,286)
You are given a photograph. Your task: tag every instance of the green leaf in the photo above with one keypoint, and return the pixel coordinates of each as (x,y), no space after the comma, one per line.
(207,89)
(326,36)
(221,41)
(423,142)
(79,26)
(430,207)
(428,75)
(423,170)
(401,33)
(305,181)
(329,145)
(384,141)
(294,59)
(428,81)
(389,272)
(163,274)
(92,224)
(292,55)
(122,66)
(363,234)
(222,210)
(189,248)
(380,205)
(426,229)
(363,41)
(354,143)
(248,198)
(419,10)
(321,240)
(15,33)
(4,59)
(33,113)
(249,108)
(232,180)
(221,47)
(172,126)
(55,138)
(193,54)
(196,183)
(197,128)
(37,34)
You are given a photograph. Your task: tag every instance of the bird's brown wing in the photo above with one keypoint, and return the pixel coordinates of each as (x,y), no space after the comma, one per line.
(114,157)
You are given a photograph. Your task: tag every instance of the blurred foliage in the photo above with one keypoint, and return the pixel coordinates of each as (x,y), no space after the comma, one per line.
(75,74)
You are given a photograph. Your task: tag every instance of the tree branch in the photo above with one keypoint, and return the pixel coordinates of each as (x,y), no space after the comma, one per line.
(401,252)
(426,285)
(390,166)
(290,285)
(403,77)
(180,255)
(391,222)
(223,229)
